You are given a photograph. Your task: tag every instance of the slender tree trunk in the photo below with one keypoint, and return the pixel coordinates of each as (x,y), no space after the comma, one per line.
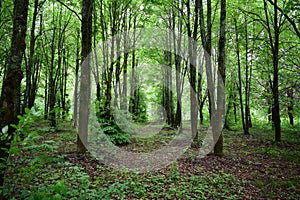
(290,106)
(274,42)
(206,34)
(29,67)
(117,72)
(124,89)
(276,75)
(178,60)
(235,108)
(240,77)
(52,76)
(51,92)
(11,88)
(133,75)
(46,99)
(75,109)
(228,110)
(247,84)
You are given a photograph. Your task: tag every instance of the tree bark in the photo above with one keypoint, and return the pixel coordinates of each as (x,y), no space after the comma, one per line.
(85,93)
(218,149)
(11,88)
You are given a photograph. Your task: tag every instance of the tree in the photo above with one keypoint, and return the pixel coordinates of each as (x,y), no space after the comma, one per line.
(86,44)
(33,66)
(11,89)
(218,149)
(246,132)
(192,30)
(274,44)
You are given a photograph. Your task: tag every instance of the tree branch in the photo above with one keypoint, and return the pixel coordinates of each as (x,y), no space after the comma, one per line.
(70,9)
(288,18)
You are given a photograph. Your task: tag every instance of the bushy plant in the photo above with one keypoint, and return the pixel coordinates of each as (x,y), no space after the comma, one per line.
(22,130)
(110,127)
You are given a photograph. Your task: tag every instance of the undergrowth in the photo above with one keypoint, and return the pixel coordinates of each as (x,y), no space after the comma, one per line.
(44,170)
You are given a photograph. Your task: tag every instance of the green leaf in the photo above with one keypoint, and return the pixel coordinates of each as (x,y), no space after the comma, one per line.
(27,110)
(14,126)
(5,129)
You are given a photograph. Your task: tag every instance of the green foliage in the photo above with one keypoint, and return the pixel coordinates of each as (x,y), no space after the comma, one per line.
(23,130)
(140,114)
(119,138)
(174,171)
(112,130)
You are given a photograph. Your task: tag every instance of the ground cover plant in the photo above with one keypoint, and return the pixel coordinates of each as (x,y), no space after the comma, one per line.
(253,167)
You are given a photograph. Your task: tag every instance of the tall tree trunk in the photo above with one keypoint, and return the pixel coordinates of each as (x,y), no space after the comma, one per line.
(193,71)
(276,75)
(240,77)
(274,42)
(206,35)
(11,88)
(247,84)
(75,109)
(85,93)
(133,82)
(117,72)
(218,149)
(177,41)
(51,91)
(31,63)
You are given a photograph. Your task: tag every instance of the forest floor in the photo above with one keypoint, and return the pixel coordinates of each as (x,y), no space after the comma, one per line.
(253,167)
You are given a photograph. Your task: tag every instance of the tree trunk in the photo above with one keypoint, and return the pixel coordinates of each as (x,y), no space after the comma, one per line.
(123,105)
(85,93)
(276,75)
(274,42)
(240,77)
(31,63)
(247,85)
(290,106)
(11,88)
(177,41)
(193,72)
(133,81)
(206,35)
(218,149)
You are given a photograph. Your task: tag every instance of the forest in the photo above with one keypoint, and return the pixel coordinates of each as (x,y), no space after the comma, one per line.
(149,99)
